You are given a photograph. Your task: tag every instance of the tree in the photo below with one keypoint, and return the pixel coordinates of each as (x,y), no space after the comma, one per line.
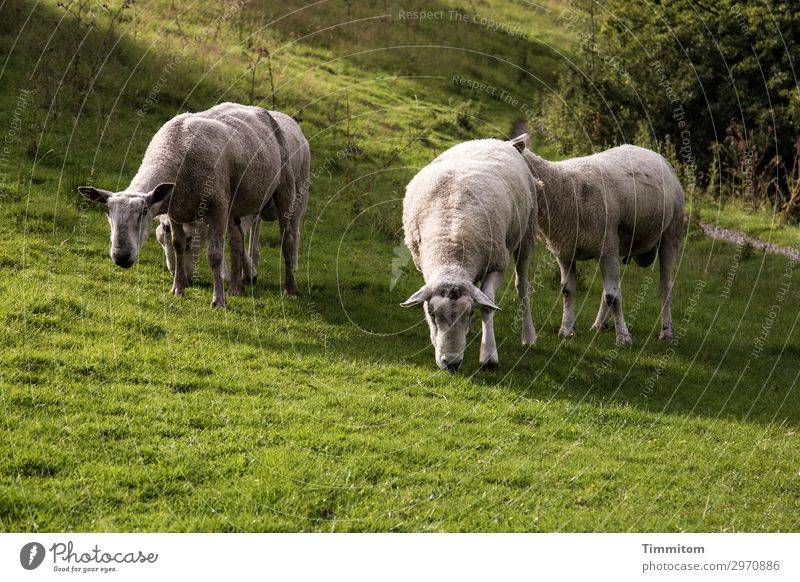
(684,72)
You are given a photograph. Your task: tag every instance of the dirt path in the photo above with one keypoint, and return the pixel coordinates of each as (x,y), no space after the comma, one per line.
(736,237)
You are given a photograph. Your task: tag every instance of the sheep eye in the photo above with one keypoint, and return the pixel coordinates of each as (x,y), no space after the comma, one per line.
(430,311)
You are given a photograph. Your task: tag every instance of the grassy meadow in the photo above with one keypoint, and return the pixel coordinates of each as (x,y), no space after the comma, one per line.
(127,409)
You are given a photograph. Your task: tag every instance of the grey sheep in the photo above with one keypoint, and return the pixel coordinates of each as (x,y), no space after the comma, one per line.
(214,166)
(624,202)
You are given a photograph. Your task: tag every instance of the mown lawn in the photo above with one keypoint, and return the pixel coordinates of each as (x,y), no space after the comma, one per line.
(125,408)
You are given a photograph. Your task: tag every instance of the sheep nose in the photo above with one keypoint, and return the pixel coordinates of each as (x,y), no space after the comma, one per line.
(122,260)
(451,365)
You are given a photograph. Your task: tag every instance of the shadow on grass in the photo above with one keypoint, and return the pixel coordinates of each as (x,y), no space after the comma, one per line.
(695,380)
(710,371)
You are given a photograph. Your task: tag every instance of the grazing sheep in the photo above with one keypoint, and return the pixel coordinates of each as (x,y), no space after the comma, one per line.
(623,202)
(213,166)
(463,214)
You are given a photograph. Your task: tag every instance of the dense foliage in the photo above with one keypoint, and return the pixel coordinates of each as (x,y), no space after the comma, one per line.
(713,83)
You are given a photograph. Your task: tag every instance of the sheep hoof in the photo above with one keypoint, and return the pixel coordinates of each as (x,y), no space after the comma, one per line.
(600,327)
(290,293)
(566,333)
(177,291)
(235,290)
(490,366)
(529,341)
(218,304)
(665,335)
(251,280)
(624,340)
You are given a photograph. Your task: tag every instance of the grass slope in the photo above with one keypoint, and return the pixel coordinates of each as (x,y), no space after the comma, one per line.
(761,223)
(125,408)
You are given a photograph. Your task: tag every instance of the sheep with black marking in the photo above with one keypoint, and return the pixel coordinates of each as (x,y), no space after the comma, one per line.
(464,214)
(214,166)
(624,202)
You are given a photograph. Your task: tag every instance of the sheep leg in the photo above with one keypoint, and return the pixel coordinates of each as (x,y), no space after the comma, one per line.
(612,295)
(522,283)
(290,247)
(216,253)
(569,285)
(254,252)
(179,281)
(488,355)
(196,242)
(164,238)
(298,209)
(236,239)
(289,217)
(667,255)
(601,321)
(226,272)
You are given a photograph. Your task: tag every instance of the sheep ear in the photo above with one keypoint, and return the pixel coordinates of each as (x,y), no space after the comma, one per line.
(95,194)
(520,142)
(159,194)
(483,300)
(419,297)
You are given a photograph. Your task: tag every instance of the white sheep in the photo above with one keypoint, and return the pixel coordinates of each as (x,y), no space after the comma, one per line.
(463,215)
(213,166)
(623,202)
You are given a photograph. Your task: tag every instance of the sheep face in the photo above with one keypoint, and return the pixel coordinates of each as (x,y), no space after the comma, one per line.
(130,219)
(130,215)
(449,311)
(450,317)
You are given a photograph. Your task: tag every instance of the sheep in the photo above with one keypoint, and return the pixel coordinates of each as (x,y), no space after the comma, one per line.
(623,202)
(213,166)
(463,214)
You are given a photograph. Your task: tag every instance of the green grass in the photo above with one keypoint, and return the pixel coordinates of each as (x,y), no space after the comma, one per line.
(125,408)
(758,222)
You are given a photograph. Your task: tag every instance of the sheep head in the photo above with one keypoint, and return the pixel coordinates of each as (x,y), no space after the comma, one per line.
(449,310)
(130,215)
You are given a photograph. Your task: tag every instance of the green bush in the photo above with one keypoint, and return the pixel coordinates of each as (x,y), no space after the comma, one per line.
(714,80)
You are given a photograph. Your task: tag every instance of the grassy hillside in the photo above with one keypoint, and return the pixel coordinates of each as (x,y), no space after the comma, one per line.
(125,408)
